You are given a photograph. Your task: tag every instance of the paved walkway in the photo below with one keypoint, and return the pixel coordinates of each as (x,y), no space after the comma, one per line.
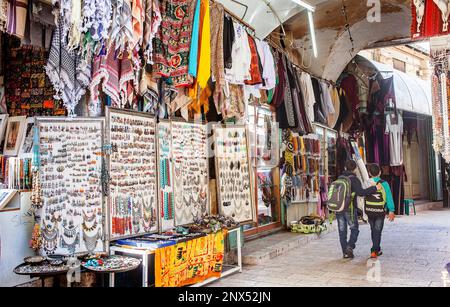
(415,252)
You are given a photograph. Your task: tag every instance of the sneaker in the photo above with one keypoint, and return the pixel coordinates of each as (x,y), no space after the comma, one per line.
(345,256)
(379,253)
(349,253)
(373,255)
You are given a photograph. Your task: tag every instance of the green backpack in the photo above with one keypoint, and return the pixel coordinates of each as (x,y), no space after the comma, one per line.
(374,204)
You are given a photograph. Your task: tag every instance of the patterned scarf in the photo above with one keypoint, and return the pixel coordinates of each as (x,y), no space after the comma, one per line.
(151,25)
(172,43)
(63,71)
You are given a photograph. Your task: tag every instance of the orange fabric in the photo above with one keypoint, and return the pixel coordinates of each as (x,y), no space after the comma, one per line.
(190,262)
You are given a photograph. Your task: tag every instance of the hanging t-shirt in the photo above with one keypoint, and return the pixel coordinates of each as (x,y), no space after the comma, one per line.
(241,57)
(395,130)
(308,94)
(268,64)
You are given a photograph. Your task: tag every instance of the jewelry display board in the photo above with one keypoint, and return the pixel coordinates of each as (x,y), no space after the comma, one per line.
(190,170)
(132,169)
(165,187)
(233,173)
(71,176)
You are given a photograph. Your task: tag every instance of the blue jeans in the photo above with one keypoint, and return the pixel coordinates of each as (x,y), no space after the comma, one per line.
(376,227)
(345,218)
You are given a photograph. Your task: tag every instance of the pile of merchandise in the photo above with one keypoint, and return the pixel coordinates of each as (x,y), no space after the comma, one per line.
(309,224)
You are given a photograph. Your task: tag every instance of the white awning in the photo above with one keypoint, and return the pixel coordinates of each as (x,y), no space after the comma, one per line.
(411,93)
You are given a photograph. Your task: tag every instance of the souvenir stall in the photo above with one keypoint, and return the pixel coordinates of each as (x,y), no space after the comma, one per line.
(148,137)
(393,113)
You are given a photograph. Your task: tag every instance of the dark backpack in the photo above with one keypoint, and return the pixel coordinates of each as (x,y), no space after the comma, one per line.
(374,204)
(340,194)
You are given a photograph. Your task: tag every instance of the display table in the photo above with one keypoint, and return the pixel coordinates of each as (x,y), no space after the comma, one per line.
(145,253)
(111,265)
(42,271)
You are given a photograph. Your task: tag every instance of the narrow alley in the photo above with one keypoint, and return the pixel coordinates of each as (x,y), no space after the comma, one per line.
(415,252)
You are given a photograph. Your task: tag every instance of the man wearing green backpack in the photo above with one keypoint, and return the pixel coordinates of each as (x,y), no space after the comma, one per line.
(375,208)
(341,196)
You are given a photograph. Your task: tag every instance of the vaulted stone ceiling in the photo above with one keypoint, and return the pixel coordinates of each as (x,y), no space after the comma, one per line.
(333,39)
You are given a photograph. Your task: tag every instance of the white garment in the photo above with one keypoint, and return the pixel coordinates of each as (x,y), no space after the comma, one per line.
(308,94)
(268,65)
(327,103)
(395,131)
(241,57)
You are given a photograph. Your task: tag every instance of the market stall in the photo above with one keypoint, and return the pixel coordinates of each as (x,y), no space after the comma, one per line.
(150,144)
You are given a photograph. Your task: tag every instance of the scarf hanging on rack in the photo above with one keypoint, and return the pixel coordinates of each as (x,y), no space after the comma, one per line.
(172,43)
(430,18)
(63,71)
(151,25)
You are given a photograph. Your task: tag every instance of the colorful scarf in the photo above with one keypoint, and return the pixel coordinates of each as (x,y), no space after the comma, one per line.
(172,43)
(117,76)
(151,26)
(138,17)
(430,18)
(97,16)
(217,59)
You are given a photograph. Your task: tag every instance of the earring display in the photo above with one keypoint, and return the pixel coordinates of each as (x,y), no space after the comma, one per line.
(190,171)
(70,171)
(233,173)
(166,195)
(132,201)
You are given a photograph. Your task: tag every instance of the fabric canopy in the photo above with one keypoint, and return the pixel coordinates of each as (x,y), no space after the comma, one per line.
(411,93)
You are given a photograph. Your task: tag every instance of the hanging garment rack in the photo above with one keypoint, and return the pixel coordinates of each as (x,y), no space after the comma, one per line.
(268,40)
(235,17)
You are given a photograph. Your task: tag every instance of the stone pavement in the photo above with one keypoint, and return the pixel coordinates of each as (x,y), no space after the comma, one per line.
(415,252)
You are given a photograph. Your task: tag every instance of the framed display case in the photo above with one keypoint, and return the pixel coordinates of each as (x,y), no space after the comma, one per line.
(190,171)
(328,138)
(71,169)
(132,201)
(233,173)
(264,151)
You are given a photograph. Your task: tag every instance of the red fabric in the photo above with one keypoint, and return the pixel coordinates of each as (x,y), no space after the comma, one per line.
(431,23)
(350,87)
(255,73)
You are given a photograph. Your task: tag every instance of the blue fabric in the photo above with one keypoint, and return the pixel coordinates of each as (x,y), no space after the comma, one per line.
(348,218)
(193,53)
(376,227)
(389,199)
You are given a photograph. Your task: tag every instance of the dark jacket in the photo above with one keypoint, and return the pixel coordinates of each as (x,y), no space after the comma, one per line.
(357,186)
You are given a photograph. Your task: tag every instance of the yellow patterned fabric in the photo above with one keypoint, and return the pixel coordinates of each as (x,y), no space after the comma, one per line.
(190,262)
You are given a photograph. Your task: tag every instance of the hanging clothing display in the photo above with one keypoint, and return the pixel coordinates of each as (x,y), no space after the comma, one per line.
(308,94)
(430,18)
(217,52)
(241,57)
(63,70)
(172,43)
(17,15)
